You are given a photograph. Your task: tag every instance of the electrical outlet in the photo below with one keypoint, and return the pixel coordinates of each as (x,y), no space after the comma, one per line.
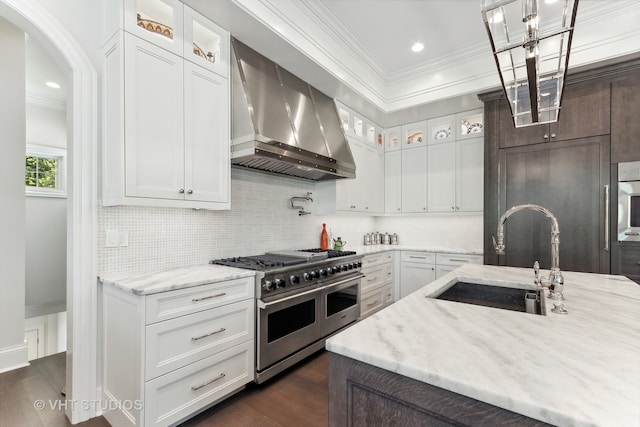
(111,238)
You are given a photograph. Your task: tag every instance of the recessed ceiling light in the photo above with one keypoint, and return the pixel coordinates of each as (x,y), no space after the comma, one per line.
(417,47)
(53,85)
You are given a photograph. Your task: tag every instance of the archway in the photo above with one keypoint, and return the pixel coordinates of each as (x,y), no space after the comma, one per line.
(82,370)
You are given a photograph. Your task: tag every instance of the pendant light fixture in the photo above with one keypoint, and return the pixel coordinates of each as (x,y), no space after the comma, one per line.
(531,40)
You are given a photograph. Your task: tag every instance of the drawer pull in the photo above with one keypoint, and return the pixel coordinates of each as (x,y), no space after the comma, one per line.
(372,280)
(417,257)
(208,297)
(198,387)
(208,335)
(343,316)
(458,260)
(371,304)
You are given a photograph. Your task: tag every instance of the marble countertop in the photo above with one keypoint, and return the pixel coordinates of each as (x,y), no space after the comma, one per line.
(373,249)
(177,278)
(579,369)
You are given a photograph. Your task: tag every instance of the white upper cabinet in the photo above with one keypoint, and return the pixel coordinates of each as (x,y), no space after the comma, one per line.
(470,124)
(157,21)
(414,180)
(205,43)
(393,139)
(166,123)
(441,177)
(207,157)
(414,134)
(153,119)
(393,182)
(441,129)
(470,175)
(455,176)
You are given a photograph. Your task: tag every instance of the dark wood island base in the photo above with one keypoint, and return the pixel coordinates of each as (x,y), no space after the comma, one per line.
(364,395)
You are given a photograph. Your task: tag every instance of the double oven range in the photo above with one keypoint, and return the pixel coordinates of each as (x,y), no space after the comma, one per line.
(302,297)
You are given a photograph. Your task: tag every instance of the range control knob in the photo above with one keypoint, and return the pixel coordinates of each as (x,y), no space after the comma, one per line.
(335,269)
(279,283)
(312,274)
(324,272)
(294,279)
(359,264)
(268,285)
(350,266)
(345,267)
(306,276)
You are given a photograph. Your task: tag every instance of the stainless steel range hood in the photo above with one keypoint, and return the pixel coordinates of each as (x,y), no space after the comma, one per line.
(283,125)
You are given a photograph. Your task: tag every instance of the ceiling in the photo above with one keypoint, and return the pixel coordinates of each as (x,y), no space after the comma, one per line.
(41,68)
(362,47)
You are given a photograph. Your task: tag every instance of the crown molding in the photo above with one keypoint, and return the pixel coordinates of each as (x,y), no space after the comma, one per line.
(46,102)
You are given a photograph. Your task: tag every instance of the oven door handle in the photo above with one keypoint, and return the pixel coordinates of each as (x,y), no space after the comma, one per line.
(341,282)
(606,218)
(263,305)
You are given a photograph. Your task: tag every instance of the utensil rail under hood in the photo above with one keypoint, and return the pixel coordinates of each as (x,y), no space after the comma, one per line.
(282,124)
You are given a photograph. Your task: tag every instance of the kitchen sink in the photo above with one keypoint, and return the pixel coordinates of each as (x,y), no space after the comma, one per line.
(515,299)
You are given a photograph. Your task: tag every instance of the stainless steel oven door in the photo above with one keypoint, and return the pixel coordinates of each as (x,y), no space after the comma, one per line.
(341,303)
(287,325)
(629,211)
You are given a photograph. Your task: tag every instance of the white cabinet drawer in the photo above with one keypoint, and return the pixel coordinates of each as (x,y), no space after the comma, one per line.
(371,302)
(177,342)
(372,260)
(178,394)
(421,257)
(458,259)
(168,305)
(374,278)
(387,293)
(388,273)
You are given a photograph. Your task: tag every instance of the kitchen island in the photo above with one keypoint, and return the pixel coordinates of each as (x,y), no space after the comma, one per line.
(579,369)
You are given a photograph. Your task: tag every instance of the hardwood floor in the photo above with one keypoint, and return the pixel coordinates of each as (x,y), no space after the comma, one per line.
(296,397)
(21,390)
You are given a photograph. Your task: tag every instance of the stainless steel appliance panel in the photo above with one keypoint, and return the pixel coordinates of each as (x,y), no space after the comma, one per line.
(629,202)
(341,305)
(287,325)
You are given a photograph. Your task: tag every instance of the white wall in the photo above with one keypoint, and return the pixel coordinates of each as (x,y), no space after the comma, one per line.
(260,220)
(13,351)
(46,234)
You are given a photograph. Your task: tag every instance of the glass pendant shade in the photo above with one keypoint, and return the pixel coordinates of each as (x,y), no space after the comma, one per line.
(531,40)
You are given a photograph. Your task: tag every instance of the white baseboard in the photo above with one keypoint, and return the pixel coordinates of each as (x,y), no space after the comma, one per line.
(13,357)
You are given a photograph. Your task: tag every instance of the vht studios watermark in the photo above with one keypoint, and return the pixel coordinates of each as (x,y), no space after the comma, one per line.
(88,405)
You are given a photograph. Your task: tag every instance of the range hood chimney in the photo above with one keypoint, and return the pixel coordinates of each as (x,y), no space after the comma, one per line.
(283,125)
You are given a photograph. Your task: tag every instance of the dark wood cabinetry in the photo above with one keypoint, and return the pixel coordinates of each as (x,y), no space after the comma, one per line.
(568,178)
(626,261)
(585,112)
(365,395)
(625,125)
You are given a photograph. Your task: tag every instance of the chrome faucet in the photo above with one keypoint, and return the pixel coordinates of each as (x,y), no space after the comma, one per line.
(556,281)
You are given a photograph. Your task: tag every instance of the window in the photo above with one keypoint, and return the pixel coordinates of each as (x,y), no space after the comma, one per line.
(45,171)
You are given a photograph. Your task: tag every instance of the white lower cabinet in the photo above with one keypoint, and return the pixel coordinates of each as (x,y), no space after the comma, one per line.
(169,355)
(446,262)
(377,287)
(416,270)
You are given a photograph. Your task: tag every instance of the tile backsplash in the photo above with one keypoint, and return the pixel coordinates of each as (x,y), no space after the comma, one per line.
(260,219)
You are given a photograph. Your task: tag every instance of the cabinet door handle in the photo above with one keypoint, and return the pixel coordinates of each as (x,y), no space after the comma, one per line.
(606,217)
(181,191)
(372,304)
(190,192)
(417,257)
(208,297)
(553,135)
(198,387)
(208,335)
(546,136)
(458,260)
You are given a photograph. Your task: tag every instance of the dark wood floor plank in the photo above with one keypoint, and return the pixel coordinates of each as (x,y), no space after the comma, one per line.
(297,397)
